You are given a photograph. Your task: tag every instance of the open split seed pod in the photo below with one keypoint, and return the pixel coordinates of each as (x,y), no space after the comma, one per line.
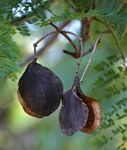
(40,90)
(94,117)
(79,112)
(73,114)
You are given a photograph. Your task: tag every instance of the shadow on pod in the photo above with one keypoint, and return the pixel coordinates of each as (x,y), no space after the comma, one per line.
(40,90)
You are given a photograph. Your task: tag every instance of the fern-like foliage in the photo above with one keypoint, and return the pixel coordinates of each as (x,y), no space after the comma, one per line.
(110,87)
(13,15)
(9,52)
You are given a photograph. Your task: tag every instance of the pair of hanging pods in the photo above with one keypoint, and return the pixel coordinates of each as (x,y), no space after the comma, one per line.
(40,92)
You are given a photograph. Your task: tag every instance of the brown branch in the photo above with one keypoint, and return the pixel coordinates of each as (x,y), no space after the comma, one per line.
(85,34)
(47,44)
(66,36)
(75,54)
(85,28)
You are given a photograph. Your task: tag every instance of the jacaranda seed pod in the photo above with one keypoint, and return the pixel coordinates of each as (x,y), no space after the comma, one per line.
(73,114)
(94,117)
(40,90)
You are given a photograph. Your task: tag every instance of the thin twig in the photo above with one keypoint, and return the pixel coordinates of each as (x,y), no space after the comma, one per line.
(85,28)
(66,36)
(35,52)
(48,34)
(89,61)
(80,58)
(47,44)
(77,53)
(38,41)
(45,36)
(78,38)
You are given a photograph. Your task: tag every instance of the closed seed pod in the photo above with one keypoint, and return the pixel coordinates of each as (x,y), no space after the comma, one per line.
(40,90)
(94,117)
(73,114)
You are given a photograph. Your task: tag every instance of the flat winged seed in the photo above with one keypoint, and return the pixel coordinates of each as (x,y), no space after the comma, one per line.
(73,114)
(94,118)
(40,90)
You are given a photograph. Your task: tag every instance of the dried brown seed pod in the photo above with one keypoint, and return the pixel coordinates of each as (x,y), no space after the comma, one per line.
(94,117)
(40,90)
(73,114)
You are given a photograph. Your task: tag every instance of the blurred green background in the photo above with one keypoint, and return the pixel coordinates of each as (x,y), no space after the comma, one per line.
(105,81)
(21,131)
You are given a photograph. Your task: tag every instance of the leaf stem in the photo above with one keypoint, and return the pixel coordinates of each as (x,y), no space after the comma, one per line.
(113,35)
(89,61)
